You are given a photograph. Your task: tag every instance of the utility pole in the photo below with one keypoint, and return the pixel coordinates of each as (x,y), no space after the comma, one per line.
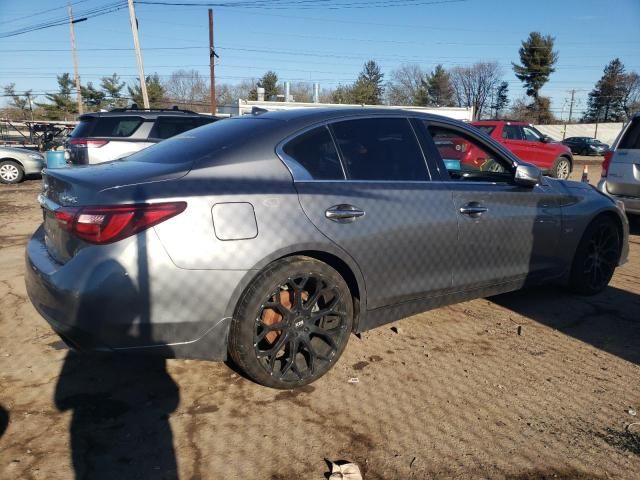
(573,92)
(136,45)
(75,58)
(212,65)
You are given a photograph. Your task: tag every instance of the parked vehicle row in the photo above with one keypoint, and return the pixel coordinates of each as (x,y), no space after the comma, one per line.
(586,145)
(271,238)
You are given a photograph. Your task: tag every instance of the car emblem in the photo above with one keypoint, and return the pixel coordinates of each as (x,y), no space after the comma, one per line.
(67,198)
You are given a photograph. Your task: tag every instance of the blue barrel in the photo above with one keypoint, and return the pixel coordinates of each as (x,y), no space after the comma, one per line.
(55,159)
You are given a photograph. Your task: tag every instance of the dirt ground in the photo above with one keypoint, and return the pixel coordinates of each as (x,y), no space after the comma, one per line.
(453,393)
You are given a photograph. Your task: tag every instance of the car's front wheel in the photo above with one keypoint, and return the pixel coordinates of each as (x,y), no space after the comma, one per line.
(561,168)
(292,323)
(11,172)
(596,257)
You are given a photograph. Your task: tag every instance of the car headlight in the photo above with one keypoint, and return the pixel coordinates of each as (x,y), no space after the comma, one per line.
(36,156)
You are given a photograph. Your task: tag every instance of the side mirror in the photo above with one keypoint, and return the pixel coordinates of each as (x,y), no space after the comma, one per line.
(527,175)
(546,139)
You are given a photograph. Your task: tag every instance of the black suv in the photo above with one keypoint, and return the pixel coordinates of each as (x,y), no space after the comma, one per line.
(104,136)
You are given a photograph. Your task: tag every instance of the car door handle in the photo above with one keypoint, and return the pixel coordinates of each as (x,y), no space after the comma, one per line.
(473,209)
(343,213)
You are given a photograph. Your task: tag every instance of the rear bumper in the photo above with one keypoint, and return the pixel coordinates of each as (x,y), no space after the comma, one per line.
(631,204)
(97,303)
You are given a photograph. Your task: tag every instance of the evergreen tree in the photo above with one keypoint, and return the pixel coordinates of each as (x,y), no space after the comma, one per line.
(61,104)
(342,94)
(92,97)
(155,91)
(439,89)
(368,88)
(20,102)
(269,82)
(538,60)
(607,99)
(501,98)
(112,88)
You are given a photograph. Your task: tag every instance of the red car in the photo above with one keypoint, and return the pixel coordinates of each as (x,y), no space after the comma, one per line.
(528,144)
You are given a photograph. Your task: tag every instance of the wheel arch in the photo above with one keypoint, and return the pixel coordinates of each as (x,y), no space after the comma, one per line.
(11,159)
(344,265)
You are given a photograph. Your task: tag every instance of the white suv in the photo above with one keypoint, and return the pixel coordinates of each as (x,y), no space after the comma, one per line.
(621,167)
(104,136)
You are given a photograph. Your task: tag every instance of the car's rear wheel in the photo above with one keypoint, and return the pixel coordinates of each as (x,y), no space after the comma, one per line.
(596,257)
(561,168)
(292,323)
(11,172)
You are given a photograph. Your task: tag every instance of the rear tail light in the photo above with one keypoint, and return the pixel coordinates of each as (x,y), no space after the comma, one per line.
(100,225)
(608,155)
(81,142)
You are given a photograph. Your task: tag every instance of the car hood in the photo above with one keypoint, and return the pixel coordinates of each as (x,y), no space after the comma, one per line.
(17,151)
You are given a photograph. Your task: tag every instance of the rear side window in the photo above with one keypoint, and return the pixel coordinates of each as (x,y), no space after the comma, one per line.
(631,138)
(380,149)
(166,127)
(512,132)
(487,129)
(115,126)
(316,152)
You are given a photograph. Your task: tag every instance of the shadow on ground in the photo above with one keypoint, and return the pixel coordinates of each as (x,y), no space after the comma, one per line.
(609,321)
(120,422)
(4,420)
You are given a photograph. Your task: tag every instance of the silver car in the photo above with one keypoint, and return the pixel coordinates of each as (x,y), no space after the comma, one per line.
(15,163)
(621,167)
(271,238)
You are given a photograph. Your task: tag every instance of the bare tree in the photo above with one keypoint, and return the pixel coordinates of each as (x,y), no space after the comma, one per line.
(631,94)
(473,85)
(301,92)
(188,89)
(405,85)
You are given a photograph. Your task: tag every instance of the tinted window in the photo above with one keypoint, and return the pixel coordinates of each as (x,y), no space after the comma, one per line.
(488,129)
(512,132)
(166,127)
(316,152)
(465,158)
(631,139)
(380,149)
(115,126)
(205,143)
(83,128)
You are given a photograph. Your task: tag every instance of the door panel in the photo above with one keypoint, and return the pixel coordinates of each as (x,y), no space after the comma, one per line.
(515,237)
(405,241)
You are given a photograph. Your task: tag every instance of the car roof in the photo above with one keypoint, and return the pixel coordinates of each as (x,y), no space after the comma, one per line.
(499,122)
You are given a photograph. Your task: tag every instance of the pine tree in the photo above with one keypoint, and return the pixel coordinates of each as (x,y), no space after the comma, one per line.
(155,92)
(538,60)
(112,88)
(62,105)
(269,82)
(501,98)
(92,97)
(368,88)
(607,99)
(439,88)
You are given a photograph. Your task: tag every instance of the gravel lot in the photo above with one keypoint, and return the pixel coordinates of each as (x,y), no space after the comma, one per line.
(452,393)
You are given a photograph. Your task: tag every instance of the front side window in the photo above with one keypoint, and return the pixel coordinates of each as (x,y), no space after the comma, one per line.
(465,158)
(315,151)
(531,134)
(380,149)
(512,132)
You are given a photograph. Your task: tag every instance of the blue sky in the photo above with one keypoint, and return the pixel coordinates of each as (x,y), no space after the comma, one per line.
(310,43)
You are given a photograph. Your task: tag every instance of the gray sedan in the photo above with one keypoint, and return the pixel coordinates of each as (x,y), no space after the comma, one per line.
(15,163)
(271,238)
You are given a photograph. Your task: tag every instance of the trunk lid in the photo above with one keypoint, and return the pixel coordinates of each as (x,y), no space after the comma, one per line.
(65,188)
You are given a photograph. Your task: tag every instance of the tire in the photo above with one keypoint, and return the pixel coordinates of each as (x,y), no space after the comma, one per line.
(292,294)
(596,257)
(11,172)
(561,168)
